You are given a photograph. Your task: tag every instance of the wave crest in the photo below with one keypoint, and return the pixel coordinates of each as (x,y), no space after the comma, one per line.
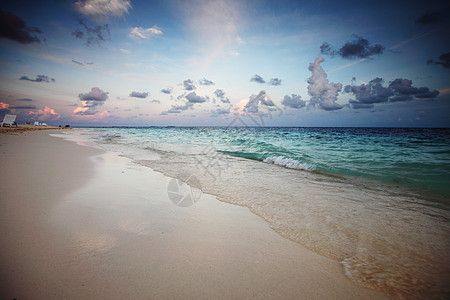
(288,163)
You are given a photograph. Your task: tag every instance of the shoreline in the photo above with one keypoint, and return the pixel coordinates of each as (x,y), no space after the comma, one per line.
(104,226)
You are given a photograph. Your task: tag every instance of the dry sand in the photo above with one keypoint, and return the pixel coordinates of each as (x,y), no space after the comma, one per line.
(24,128)
(80,223)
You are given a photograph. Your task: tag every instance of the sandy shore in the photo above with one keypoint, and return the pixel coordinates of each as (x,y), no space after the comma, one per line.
(24,128)
(80,223)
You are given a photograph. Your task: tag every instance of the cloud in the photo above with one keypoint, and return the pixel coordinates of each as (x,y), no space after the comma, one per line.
(92,35)
(4,108)
(189,85)
(125,51)
(22,107)
(14,28)
(404,91)
(25,99)
(266,101)
(77,62)
(155,101)
(167,90)
(176,109)
(428,18)
(139,94)
(95,94)
(194,98)
(293,101)
(47,114)
(252,105)
(205,81)
(368,94)
(356,49)
(323,93)
(102,9)
(139,33)
(221,95)
(39,78)
(220,111)
(257,79)
(444,61)
(275,81)
(398,90)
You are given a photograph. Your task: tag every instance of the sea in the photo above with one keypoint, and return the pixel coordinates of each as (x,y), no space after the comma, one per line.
(375,199)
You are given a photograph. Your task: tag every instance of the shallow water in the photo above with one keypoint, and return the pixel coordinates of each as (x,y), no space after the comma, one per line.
(375,199)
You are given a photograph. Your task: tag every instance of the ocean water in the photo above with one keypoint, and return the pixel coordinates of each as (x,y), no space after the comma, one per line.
(375,199)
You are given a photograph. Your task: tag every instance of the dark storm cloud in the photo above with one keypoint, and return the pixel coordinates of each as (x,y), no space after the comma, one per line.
(275,81)
(398,90)
(370,93)
(92,35)
(358,48)
(221,95)
(404,91)
(14,28)
(39,78)
(444,61)
(428,18)
(189,85)
(257,79)
(205,81)
(139,94)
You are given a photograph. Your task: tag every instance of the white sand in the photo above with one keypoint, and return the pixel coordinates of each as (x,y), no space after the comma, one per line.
(80,223)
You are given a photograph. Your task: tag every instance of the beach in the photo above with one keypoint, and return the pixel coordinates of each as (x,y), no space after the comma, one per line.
(79,222)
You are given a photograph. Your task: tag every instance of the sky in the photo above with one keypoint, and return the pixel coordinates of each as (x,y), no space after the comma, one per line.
(226,62)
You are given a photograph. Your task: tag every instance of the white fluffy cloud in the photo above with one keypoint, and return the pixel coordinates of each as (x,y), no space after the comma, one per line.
(139,33)
(323,93)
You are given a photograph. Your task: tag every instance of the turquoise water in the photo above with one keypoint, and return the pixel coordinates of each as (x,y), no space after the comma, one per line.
(375,199)
(417,158)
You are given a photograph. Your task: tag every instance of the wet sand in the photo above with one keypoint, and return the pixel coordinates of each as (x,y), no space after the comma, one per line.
(77,222)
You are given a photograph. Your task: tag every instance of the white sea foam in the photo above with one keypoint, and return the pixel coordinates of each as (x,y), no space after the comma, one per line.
(289,163)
